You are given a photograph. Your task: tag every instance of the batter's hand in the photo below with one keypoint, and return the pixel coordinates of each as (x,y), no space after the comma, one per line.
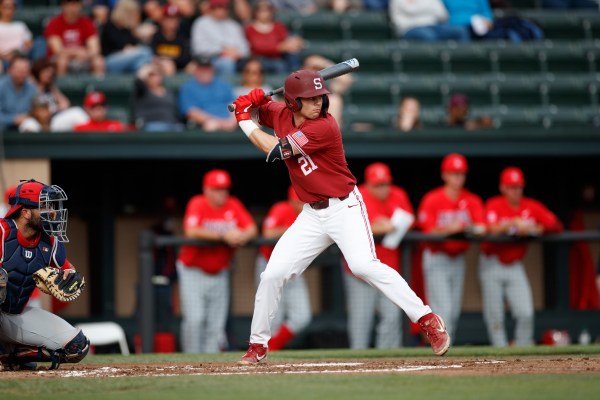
(242,108)
(257,96)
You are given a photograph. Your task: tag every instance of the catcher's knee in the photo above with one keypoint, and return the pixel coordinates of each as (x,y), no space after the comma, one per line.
(76,349)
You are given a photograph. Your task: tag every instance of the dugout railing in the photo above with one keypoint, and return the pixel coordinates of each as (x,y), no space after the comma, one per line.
(556,313)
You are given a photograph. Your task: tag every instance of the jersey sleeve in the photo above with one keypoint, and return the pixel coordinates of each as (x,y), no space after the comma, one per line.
(266,112)
(193,214)
(4,231)
(315,136)
(88,29)
(426,214)
(477,210)
(546,218)
(244,218)
(51,28)
(274,218)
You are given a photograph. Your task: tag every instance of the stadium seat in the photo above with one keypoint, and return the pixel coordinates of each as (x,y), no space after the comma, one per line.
(36,17)
(105,333)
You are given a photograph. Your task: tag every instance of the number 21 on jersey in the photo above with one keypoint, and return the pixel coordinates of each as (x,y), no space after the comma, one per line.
(306,164)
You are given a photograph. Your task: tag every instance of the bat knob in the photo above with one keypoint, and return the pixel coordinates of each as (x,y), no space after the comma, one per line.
(231,107)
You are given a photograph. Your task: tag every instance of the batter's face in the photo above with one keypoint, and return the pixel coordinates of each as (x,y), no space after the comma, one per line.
(513,194)
(454,180)
(311,107)
(216,196)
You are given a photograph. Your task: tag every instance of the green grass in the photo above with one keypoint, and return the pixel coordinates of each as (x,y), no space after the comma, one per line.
(318,386)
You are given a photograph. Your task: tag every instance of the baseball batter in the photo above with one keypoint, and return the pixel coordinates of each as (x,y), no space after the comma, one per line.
(447,210)
(501,271)
(309,141)
(389,211)
(32,236)
(204,272)
(294,313)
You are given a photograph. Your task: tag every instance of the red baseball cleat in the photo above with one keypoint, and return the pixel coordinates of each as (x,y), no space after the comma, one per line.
(435,330)
(255,354)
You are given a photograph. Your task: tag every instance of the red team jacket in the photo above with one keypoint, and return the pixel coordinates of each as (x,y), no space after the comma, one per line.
(320,171)
(281,215)
(199,213)
(438,210)
(498,210)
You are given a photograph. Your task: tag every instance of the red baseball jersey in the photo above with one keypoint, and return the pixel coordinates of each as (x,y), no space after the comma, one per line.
(199,213)
(497,211)
(281,215)
(438,210)
(71,35)
(320,171)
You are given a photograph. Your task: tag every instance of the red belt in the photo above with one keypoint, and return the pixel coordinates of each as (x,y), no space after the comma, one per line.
(322,204)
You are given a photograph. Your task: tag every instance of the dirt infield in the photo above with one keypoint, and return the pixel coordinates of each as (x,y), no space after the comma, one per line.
(438,366)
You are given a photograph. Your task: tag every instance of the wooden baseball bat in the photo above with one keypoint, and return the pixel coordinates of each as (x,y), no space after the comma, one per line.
(334,71)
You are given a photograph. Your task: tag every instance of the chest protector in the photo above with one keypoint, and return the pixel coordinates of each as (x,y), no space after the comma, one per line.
(20,263)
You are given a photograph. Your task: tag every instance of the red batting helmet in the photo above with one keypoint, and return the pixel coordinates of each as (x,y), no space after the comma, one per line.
(305,84)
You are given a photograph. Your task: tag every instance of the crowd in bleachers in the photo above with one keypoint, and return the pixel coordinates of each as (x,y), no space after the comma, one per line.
(188,59)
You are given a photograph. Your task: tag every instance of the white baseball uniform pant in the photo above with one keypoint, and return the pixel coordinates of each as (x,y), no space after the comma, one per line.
(500,282)
(204,307)
(346,223)
(35,327)
(363,303)
(444,281)
(294,308)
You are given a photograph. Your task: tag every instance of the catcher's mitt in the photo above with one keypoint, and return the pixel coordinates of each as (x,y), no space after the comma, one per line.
(50,281)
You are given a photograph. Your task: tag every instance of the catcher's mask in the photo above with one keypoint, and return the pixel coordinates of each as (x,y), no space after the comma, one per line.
(305,84)
(48,199)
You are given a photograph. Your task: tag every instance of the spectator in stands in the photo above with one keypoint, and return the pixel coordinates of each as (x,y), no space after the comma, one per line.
(271,42)
(376,5)
(300,6)
(570,4)
(253,77)
(501,270)
(424,20)
(16,36)
(458,112)
(94,104)
(64,117)
(170,46)
(154,106)
(203,99)
(339,6)
(474,16)
(409,114)
(39,116)
(218,36)
(101,10)
(337,86)
(16,93)
(121,44)
(73,41)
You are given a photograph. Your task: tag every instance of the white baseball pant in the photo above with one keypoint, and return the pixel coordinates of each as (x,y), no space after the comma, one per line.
(346,223)
(204,307)
(363,303)
(444,282)
(498,280)
(294,309)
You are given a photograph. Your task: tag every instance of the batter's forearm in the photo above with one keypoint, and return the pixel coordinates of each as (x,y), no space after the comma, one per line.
(262,140)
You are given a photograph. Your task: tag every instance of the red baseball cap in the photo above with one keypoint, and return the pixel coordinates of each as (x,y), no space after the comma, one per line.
(292,195)
(170,10)
(218,3)
(94,98)
(512,176)
(28,196)
(217,179)
(378,173)
(454,162)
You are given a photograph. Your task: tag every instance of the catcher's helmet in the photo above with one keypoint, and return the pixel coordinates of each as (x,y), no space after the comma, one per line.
(48,200)
(305,84)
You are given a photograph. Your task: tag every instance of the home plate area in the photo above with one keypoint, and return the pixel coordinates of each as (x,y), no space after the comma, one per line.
(437,366)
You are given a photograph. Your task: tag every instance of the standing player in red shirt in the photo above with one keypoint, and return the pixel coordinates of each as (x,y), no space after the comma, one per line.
(448,210)
(501,271)
(73,40)
(390,214)
(309,141)
(294,313)
(204,271)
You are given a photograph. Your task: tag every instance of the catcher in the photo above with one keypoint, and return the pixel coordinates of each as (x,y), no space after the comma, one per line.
(32,253)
